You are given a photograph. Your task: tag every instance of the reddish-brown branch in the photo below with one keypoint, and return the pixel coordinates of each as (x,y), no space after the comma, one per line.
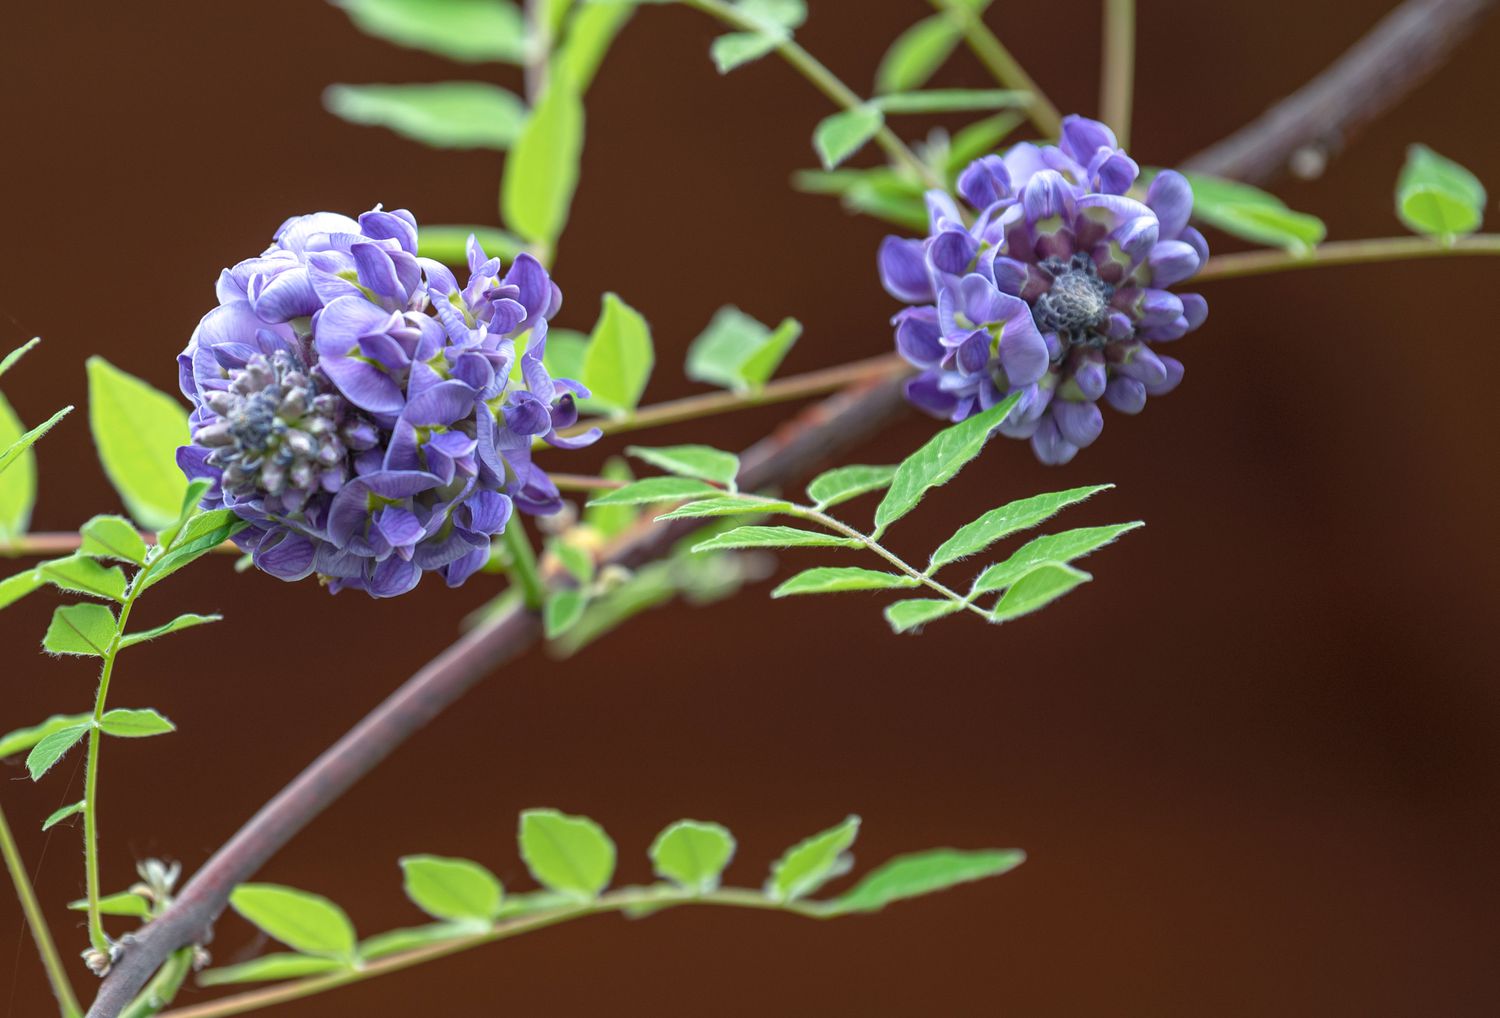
(1374,74)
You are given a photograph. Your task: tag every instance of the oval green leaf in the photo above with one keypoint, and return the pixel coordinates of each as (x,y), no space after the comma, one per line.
(693,854)
(568,854)
(137,430)
(308,923)
(445,114)
(453,889)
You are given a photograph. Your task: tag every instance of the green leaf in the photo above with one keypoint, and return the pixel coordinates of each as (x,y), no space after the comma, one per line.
(15,355)
(449,244)
(701,461)
(937,462)
(1252,214)
(950,100)
(18,490)
(1008,519)
(1036,589)
(981,138)
(216,527)
(1437,197)
(692,854)
(124,904)
(774,537)
(466,30)
(13,588)
(811,863)
(727,506)
(305,922)
(137,430)
(787,14)
(590,32)
(135,723)
(51,749)
(60,815)
(83,575)
(113,537)
(738,352)
(574,558)
(655,489)
(397,941)
(14,742)
(905,616)
(568,854)
(269,967)
(181,622)
(620,355)
(85,629)
(838,137)
(1051,548)
(562,611)
(911,876)
(917,53)
(542,171)
(453,889)
(739,48)
(844,483)
(192,496)
(446,114)
(832,580)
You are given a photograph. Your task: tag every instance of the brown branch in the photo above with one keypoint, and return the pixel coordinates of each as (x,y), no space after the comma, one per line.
(1374,74)
(824,430)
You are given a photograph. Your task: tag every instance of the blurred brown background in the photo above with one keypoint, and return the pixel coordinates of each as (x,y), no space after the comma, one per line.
(1254,762)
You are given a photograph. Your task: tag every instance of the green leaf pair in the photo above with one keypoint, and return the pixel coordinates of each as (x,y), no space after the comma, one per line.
(738,352)
(1252,214)
(1437,197)
(17,461)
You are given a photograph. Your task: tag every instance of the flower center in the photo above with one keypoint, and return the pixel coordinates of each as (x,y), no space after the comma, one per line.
(1077,305)
(281,432)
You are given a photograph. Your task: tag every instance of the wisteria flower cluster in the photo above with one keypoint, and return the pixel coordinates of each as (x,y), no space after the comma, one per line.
(357,406)
(1056,290)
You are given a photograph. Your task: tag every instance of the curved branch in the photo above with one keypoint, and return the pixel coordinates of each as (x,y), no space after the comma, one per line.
(821,431)
(1374,74)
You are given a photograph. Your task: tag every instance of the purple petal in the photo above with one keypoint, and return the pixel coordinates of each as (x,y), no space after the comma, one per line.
(1126,395)
(1050,446)
(918,337)
(903,270)
(1082,137)
(1173,369)
(984,182)
(1171,198)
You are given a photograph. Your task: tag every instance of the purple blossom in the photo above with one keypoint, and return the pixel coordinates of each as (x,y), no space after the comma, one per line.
(360,408)
(1054,287)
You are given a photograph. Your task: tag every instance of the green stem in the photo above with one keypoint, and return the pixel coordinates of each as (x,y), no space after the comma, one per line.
(301,988)
(538,49)
(838,526)
(1006,69)
(67,1003)
(1345,252)
(523,569)
(1118,73)
(823,80)
(97,936)
(162,990)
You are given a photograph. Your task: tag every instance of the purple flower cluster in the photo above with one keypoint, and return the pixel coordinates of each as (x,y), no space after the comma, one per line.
(357,406)
(1056,290)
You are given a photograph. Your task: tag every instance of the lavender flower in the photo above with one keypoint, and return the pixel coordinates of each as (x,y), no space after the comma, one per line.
(357,406)
(1056,290)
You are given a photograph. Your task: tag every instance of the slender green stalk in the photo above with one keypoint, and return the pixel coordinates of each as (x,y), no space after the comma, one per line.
(1118,73)
(523,569)
(67,1003)
(870,544)
(97,936)
(162,990)
(1345,252)
(1006,69)
(824,81)
(300,989)
(538,48)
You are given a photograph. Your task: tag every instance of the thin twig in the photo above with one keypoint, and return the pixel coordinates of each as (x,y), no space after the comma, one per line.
(40,934)
(538,49)
(1117,73)
(1006,68)
(1374,74)
(1344,252)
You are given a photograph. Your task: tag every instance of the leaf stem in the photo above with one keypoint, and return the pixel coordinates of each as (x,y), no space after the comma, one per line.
(824,81)
(162,990)
(538,49)
(1345,252)
(67,1003)
(812,383)
(1006,69)
(1117,75)
(618,901)
(522,569)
